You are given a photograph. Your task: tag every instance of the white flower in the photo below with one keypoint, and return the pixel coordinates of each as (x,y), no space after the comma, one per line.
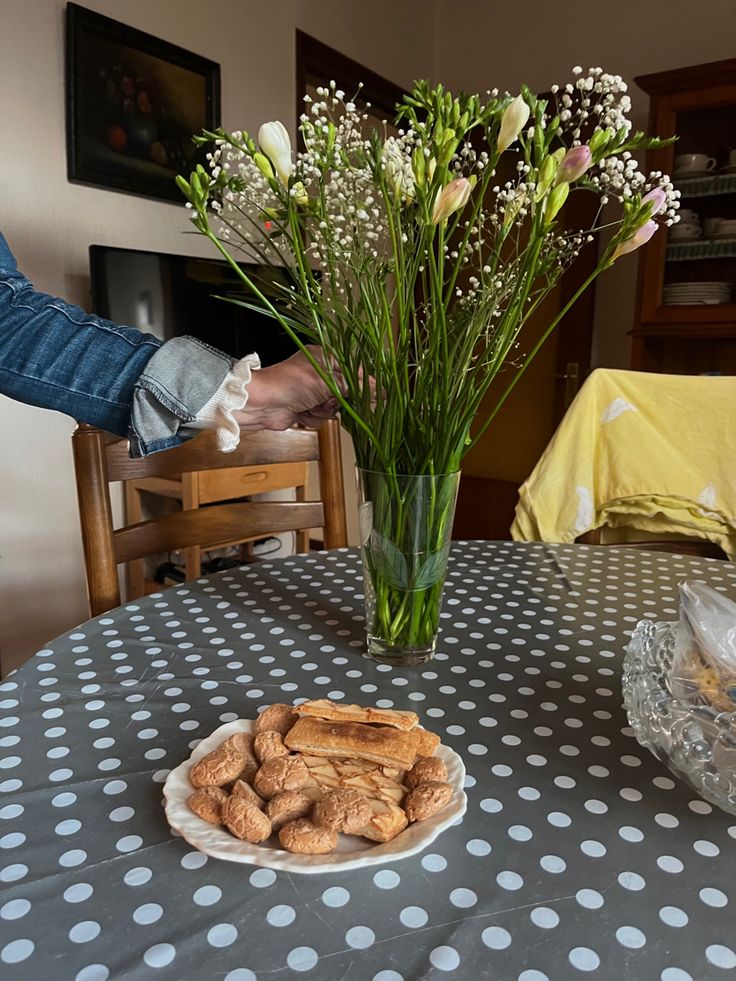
(513,121)
(274,141)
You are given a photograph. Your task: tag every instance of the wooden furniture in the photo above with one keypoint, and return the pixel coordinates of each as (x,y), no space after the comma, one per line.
(686,546)
(698,105)
(199,489)
(100,459)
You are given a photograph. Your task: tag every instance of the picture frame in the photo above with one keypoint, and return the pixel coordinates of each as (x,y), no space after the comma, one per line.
(133,103)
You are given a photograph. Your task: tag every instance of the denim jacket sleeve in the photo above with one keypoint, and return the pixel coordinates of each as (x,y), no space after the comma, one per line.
(54,355)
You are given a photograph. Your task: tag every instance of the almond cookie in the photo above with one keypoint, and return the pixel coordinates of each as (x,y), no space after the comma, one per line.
(426,799)
(276,718)
(207,803)
(427,769)
(245,820)
(268,745)
(288,806)
(281,773)
(305,838)
(342,810)
(242,742)
(242,789)
(221,766)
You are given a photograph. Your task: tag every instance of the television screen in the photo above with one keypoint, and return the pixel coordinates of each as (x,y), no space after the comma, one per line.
(172,295)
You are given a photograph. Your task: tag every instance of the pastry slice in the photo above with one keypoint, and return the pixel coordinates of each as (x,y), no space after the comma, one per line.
(323,708)
(379,744)
(387,821)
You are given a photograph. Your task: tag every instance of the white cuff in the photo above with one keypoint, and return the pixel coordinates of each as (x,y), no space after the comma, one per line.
(231,396)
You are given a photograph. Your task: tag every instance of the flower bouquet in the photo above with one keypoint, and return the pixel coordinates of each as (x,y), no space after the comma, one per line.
(415,267)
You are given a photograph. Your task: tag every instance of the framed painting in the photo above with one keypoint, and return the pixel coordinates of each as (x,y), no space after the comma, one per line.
(133,103)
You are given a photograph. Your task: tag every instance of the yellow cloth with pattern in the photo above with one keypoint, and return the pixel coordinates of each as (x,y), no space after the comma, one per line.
(648,451)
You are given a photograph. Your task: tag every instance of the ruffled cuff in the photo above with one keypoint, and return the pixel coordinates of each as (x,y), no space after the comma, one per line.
(231,396)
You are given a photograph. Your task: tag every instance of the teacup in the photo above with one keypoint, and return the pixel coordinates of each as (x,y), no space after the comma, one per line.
(685,232)
(688,216)
(694,162)
(711,226)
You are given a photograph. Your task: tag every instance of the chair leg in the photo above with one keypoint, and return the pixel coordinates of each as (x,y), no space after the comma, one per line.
(135,574)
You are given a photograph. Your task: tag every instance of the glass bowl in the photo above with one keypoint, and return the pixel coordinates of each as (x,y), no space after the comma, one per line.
(696,741)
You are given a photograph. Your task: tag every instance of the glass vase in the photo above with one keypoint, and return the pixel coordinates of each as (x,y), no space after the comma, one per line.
(405,529)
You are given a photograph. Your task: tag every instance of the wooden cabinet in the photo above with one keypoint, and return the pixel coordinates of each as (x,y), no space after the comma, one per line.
(673,333)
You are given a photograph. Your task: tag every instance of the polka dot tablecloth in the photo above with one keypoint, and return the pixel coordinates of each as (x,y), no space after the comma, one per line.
(579,855)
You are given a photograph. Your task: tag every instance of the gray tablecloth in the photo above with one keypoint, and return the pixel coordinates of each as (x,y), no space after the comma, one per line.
(578,855)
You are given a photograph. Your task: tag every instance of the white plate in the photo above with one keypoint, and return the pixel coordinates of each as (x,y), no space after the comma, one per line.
(351,852)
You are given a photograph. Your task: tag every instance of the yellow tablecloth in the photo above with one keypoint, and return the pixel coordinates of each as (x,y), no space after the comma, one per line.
(649,451)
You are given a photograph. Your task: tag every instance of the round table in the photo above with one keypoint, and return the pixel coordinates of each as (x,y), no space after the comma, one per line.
(578,856)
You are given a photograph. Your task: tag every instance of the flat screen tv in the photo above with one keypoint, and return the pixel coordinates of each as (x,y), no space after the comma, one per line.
(172,295)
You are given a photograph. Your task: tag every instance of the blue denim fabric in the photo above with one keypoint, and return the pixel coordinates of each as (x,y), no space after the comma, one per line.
(56,356)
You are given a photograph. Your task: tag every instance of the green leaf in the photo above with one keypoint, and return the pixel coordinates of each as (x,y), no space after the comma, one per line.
(390,561)
(432,570)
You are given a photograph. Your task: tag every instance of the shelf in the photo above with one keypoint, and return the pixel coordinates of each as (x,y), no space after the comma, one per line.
(690,331)
(724,248)
(705,187)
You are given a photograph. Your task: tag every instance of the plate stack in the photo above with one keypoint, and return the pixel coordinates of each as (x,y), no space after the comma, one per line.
(691,294)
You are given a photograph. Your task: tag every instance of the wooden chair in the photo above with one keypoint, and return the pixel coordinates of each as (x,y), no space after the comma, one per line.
(686,546)
(101,459)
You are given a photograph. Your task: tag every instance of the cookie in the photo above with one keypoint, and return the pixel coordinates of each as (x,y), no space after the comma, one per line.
(719,691)
(288,806)
(207,803)
(426,799)
(221,766)
(281,773)
(342,810)
(426,769)
(268,745)
(242,789)
(305,838)
(276,718)
(245,820)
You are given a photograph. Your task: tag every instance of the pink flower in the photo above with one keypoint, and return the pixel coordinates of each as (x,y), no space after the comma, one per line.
(574,164)
(639,238)
(451,198)
(657,198)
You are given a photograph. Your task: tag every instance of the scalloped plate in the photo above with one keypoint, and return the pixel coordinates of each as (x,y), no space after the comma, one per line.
(351,852)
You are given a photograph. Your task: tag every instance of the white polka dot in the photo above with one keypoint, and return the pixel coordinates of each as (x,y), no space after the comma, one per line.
(78,893)
(544,917)
(673,916)
(159,955)
(193,860)
(490,805)
(360,937)
(631,937)
(553,863)
(444,958)
(335,897)
(721,956)
(388,976)
(519,832)
(138,876)
(630,834)
(584,959)
(509,880)
(496,938)
(387,879)
(207,895)
(222,935)
(559,820)
(589,898)
(122,814)
(675,974)
(17,951)
(532,976)
(593,848)
(262,878)
(93,972)
(632,881)
(463,898)
(281,916)
(129,843)
(478,847)
(434,863)
(301,959)
(14,909)
(713,897)
(72,858)
(706,848)
(11,873)
(148,913)
(413,917)
(240,974)
(668,863)
(70,827)
(83,932)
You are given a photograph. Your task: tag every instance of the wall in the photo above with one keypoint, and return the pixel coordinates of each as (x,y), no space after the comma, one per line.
(50,223)
(483,44)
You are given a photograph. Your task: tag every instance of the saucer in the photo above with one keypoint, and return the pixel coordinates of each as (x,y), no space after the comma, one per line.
(727,169)
(687,174)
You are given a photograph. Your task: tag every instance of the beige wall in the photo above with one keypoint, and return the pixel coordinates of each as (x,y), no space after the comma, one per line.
(482,44)
(50,223)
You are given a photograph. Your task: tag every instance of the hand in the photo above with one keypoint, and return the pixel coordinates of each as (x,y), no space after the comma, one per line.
(287,393)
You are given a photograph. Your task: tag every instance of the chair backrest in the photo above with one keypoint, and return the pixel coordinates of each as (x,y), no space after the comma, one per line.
(101,459)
